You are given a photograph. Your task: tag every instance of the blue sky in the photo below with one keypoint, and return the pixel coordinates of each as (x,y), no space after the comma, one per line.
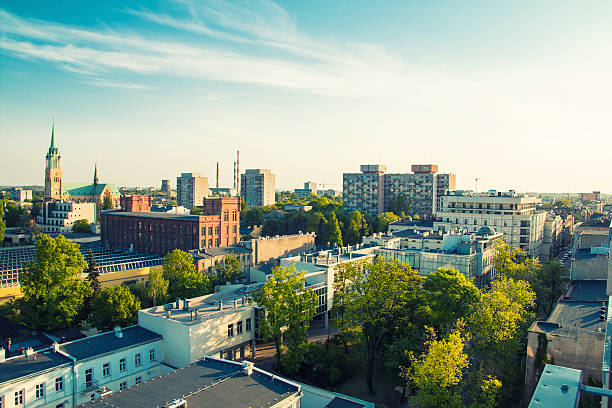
(515,93)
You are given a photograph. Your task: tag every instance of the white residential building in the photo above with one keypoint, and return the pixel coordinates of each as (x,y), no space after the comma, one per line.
(512,214)
(191,189)
(258,187)
(60,216)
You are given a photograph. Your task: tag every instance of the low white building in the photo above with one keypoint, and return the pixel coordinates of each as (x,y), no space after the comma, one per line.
(60,216)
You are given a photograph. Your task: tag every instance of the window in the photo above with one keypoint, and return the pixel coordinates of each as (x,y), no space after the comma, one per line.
(239,327)
(210,243)
(122,385)
(40,390)
(89,377)
(234,229)
(138,380)
(1,401)
(19,397)
(137,360)
(248,324)
(59,384)
(152,355)
(106,369)
(230,330)
(209,230)
(122,365)
(57,406)
(217,230)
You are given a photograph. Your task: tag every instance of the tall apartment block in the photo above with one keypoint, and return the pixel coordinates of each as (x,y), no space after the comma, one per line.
(372,189)
(257,187)
(191,189)
(160,233)
(513,214)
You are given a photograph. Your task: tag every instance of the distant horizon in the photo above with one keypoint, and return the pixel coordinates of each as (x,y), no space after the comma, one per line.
(515,94)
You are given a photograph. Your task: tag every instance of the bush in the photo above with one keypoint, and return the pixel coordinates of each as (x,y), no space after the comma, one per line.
(81,226)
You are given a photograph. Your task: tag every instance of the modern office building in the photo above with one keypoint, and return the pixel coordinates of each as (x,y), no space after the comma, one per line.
(258,187)
(19,194)
(372,189)
(310,187)
(60,216)
(136,203)
(191,189)
(514,215)
(160,233)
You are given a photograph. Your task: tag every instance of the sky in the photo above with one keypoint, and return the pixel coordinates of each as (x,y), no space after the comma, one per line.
(516,94)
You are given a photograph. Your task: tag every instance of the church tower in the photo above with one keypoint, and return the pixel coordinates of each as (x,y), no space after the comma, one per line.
(53,171)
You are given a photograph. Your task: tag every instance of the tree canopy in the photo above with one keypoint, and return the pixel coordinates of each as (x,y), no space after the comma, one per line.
(184,279)
(53,293)
(116,306)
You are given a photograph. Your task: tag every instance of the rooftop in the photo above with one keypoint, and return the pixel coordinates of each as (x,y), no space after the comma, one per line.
(559,387)
(20,366)
(108,342)
(153,214)
(209,383)
(220,251)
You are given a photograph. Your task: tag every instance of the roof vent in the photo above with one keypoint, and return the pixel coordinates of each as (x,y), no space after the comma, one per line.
(56,346)
(118,332)
(247,368)
(29,353)
(2,354)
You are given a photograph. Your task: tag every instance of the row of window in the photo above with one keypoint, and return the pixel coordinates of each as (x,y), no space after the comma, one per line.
(39,393)
(230,328)
(106,367)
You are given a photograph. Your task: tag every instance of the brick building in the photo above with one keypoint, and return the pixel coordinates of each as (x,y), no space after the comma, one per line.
(136,203)
(160,233)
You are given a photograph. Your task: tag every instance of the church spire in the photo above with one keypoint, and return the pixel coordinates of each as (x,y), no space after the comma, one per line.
(53,135)
(95,174)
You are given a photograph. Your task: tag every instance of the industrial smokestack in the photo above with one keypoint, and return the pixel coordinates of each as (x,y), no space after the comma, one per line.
(234,175)
(217,174)
(237,172)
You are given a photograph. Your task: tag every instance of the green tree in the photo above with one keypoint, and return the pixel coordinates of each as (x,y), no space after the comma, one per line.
(333,233)
(228,271)
(14,216)
(437,372)
(116,306)
(36,209)
(254,216)
(107,201)
(383,220)
(357,228)
(2,224)
(53,294)
(400,205)
(244,206)
(289,308)
(157,287)
(81,226)
(386,296)
(450,296)
(184,279)
(551,283)
(345,275)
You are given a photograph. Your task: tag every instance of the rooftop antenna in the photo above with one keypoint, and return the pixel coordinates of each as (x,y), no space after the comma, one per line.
(476,179)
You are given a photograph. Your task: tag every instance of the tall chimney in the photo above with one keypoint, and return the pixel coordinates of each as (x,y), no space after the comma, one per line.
(234,175)
(217,174)
(237,172)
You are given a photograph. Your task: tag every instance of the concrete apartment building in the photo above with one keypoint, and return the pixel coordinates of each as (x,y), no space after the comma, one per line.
(59,216)
(258,187)
(136,203)
(371,190)
(310,187)
(160,233)
(20,195)
(191,189)
(514,215)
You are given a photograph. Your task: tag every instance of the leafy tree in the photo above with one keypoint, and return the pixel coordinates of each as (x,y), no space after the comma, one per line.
(358,227)
(400,205)
(53,294)
(93,275)
(14,216)
(157,286)
(228,271)
(345,275)
(317,223)
(383,220)
(450,296)
(116,306)
(81,226)
(289,308)
(2,224)
(333,233)
(107,201)
(273,227)
(244,206)
(254,216)
(385,296)
(36,209)
(184,279)
(551,283)
(197,211)
(438,371)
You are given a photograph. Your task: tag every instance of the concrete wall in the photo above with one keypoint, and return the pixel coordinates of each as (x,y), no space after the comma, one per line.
(286,245)
(175,334)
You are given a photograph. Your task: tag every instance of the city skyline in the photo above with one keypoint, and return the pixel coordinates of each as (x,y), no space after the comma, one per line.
(183,86)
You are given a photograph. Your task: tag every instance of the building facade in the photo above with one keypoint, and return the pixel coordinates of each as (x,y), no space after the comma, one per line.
(53,171)
(514,215)
(136,203)
(191,189)
(160,233)
(60,216)
(371,190)
(19,194)
(258,187)
(96,193)
(310,187)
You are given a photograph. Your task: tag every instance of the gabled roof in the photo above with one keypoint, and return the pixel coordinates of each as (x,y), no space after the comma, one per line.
(91,189)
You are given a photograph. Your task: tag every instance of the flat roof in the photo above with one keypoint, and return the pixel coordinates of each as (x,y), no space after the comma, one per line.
(209,383)
(108,342)
(154,214)
(558,387)
(570,317)
(220,251)
(17,367)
